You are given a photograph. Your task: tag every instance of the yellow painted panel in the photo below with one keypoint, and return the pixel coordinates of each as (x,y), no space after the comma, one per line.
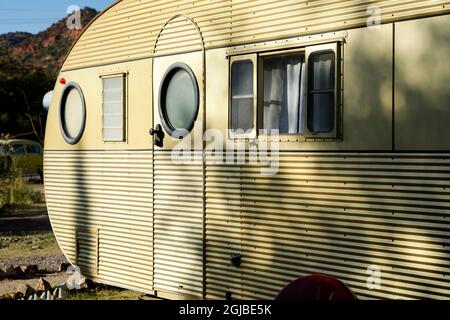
(367,104)
(367,93)
(139,106)
(194,61)
(422,77)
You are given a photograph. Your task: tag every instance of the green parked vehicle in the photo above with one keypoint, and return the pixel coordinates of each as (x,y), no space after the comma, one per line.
(29,153)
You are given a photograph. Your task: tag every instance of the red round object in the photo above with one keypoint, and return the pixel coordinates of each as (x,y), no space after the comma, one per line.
(62,81)
(316,287)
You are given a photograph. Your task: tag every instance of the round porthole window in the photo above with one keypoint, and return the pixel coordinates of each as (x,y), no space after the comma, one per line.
(178,100)
(72,113)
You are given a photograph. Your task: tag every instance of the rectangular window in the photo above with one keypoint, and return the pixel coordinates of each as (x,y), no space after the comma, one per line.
(114,111)
(18,149)
(297,92)
(284,93)
(32,149)
(242,95)
(321,110)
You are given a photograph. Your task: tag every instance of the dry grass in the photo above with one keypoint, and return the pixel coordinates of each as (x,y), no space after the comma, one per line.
(44,244)
(104,293)
(30,245)
(15,192)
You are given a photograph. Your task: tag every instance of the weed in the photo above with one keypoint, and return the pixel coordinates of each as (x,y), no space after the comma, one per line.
(104,292)
(28,245)
(14,191)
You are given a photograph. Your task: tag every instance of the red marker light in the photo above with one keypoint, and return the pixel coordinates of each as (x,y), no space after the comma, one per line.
(62,81)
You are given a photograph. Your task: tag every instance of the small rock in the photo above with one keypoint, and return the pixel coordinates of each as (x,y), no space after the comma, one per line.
(25,290)
(18,296)
(33,269)
(30,291)
(2,274)
(87,284)
(22,269)
(10,272)
(29,270)
(19,272)
(42,285)
(64,266)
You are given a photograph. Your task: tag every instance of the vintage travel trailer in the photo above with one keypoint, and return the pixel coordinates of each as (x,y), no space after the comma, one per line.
(359,92)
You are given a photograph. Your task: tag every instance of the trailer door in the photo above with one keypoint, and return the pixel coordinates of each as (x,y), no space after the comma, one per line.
(178,184)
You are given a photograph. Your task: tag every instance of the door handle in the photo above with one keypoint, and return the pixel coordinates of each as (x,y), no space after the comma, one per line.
(158,133)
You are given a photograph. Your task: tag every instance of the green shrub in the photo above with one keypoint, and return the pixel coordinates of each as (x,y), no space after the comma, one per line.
(14,191)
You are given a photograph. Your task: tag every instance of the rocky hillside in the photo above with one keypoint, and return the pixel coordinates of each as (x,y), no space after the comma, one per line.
(29,65)
(46,49)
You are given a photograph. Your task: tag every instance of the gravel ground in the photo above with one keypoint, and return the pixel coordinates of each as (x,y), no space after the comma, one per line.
(25,240)
(46,264)
(11,286)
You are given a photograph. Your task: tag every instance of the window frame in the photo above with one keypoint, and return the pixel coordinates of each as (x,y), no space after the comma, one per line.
(165,81)
(28,146)
(282,137)
(309,52)
(253,57)
(13,147)
(62,125)
(124,75)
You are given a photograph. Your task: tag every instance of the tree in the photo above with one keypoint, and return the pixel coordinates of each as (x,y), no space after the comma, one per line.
(21,90)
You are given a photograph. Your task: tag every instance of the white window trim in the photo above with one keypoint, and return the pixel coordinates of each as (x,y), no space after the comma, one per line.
(124,75)
(282,137)
(307,50)
(337,74)
(252,134)
(290,43)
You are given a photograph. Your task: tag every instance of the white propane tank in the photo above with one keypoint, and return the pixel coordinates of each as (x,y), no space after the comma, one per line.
(47,100)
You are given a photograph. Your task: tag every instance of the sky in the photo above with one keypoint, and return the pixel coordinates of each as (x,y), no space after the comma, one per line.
(36,15)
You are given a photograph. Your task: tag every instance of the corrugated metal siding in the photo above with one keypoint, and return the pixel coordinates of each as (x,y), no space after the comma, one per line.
(322,213)
(178,202)
(129,29)
(334,214)
(179,35)
(87,251)
(125,258)
(107,196)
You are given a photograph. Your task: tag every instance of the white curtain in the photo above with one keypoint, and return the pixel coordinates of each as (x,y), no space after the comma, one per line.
(323,72)
(284,94)
(302,106)
(273,95)
(293,72)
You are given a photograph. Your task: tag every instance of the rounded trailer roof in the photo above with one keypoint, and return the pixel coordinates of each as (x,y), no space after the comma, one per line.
(130,29)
